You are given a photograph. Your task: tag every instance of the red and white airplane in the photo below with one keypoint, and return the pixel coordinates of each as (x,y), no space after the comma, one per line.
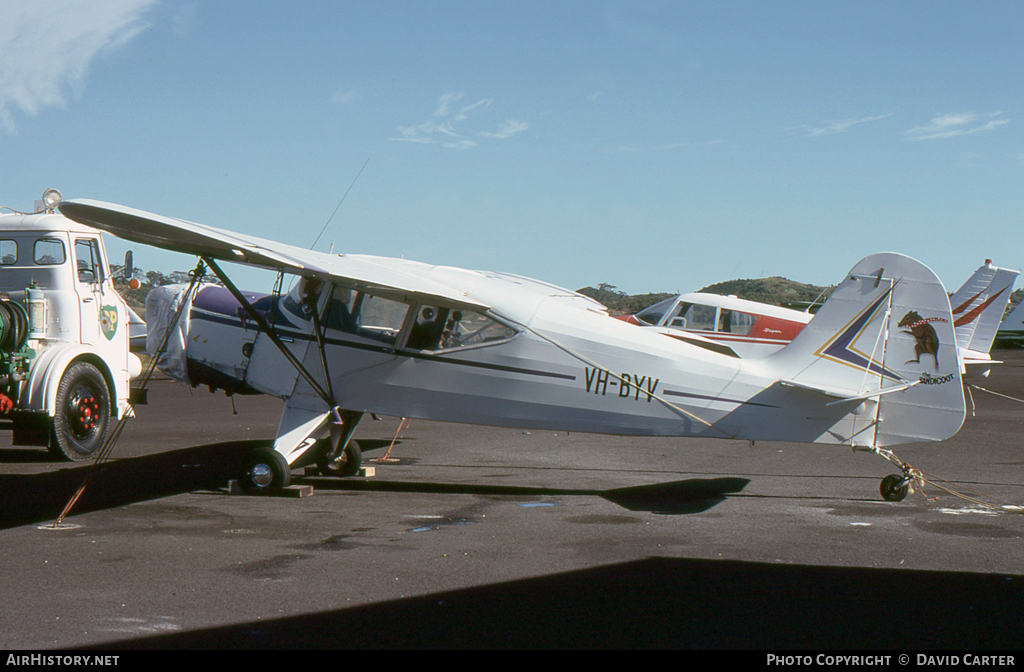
(361,334)
(752,329)
(744,328)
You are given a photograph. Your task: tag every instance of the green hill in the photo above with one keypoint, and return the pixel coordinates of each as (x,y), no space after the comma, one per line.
(775,290)
(620,303)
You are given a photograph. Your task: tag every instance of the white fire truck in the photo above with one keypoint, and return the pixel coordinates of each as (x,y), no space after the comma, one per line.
(65,361)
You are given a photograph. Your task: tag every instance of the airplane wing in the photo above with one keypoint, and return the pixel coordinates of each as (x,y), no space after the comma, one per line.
(178,235)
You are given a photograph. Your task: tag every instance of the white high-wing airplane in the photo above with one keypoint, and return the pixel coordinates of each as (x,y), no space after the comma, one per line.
(754,329)
(362,334)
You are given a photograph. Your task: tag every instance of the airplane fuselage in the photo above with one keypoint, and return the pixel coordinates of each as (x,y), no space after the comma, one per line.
(541,358)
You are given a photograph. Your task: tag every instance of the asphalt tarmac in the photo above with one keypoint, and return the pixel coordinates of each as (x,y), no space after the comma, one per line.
(481,537)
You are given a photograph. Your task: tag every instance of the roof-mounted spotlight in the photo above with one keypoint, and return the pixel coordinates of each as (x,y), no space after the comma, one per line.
(51,199)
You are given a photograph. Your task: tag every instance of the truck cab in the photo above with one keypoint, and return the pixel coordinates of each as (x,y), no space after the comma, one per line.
(65,362)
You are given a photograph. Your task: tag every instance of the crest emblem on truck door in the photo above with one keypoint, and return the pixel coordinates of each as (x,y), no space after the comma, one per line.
(108,321)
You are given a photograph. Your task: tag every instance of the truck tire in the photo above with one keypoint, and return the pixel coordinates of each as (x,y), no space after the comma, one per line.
(82,413)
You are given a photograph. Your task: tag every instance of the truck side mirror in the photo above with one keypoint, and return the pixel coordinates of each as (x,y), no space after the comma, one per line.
(129,270)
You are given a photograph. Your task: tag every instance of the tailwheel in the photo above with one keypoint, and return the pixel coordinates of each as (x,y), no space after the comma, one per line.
(894,487)
(264,471)
(347,464)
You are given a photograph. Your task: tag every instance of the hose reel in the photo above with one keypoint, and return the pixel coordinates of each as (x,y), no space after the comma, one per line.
(13,326)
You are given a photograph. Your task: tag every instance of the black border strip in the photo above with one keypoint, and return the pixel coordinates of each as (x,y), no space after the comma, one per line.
(295,335)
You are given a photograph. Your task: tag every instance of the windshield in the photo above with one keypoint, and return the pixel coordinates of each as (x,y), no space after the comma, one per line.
(654,314)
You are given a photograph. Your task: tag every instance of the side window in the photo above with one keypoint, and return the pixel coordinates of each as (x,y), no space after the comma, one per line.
(48,252)
(87,256)
(470,328)
(341,312)
(380,318)
(735,322)
(427,328)
(8,252)
(445,329)
(366,315)
(699,318)
(679,317)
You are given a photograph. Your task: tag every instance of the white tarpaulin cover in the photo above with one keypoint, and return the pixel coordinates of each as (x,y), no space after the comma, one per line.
(162,305)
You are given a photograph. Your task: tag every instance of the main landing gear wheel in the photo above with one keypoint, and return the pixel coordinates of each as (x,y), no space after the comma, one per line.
(347,466)
(82,413)
(264,471)
(894,487)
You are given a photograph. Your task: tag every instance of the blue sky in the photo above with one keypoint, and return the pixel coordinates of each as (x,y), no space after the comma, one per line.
(656,146)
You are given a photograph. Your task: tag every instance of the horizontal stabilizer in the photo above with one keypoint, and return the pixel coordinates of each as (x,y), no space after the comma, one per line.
(843,396)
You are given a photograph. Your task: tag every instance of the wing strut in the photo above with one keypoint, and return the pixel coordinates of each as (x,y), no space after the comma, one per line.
(266,328)
(343,423)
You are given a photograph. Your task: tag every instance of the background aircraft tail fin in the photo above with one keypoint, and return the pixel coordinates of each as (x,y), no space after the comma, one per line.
(978,306)
(882,348)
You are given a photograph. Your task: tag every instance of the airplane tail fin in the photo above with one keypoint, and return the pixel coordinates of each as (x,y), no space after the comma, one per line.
(881,354)
(978,308)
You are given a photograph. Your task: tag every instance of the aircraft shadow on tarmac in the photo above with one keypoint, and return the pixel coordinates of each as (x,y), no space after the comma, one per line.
(34,498)
(662,603)
(693,495)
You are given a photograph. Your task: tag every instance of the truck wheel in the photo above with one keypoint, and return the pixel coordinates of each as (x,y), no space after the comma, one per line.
(82,414)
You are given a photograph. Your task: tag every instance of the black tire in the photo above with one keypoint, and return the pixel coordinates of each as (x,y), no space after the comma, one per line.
(347,466)
(82,414)
(264,471)
(894,488)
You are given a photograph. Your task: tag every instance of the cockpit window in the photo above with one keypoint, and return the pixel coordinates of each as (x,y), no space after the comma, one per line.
(445,329)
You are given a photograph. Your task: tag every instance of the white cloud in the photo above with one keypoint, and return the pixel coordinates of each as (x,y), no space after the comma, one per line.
(837,126)
(508,129)
(48,46)
(345,97)
(184,20)
(457,130)
(444,105)
(464,112)
(955,124)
